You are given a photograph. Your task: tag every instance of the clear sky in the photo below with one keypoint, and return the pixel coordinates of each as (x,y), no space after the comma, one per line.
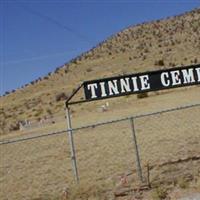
(37,36)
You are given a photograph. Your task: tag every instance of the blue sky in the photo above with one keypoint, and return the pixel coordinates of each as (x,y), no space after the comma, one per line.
(38,36)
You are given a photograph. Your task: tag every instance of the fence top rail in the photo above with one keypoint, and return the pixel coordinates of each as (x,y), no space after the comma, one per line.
(135,117)
(30,138)
(98,124)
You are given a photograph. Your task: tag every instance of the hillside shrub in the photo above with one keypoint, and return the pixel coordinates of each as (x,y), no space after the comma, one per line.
(49,111)
(183,183)
(142,95)
(57,70)
(7,92)
(61,97)
(159,62)
(195,60)
(14,126)
(159,193)
(38,112)
(89,70)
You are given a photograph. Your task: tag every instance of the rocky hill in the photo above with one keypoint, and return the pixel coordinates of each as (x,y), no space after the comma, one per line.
(159,44)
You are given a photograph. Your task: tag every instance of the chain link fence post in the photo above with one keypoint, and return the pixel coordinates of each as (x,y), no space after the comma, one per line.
(137,156)
(72,146)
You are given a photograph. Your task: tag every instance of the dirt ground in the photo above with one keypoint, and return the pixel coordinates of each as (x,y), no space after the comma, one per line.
(41,168)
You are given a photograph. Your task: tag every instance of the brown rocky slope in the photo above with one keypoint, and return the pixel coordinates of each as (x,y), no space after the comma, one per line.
(163,43)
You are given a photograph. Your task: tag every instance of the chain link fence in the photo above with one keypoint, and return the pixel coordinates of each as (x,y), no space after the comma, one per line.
(39,166)
(35,168)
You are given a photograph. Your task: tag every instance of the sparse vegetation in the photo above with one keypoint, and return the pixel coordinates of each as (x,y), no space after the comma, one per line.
(160,193)
(159,63)
(61,97)
(38,112)
(142,95)
(86,191)
(49,112)
(183,183)
(89,70)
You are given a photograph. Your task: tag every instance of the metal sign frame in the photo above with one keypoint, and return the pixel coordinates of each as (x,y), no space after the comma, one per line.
(130,93)
(69,124)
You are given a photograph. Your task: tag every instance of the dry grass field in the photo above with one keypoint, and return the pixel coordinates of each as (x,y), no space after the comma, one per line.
(40,169)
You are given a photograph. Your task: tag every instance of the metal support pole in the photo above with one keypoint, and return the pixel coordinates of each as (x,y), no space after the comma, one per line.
(71,142)
(138,165)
